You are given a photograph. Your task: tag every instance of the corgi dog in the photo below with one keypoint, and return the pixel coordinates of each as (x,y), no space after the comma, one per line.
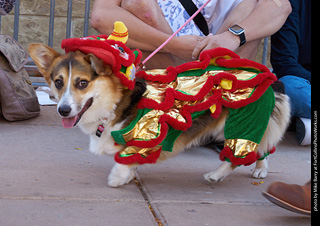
(91,96)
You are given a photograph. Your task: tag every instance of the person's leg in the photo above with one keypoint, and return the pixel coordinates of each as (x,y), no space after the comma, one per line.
(242,10)
(299,91)
(145,12)
(150,12)
(137,11)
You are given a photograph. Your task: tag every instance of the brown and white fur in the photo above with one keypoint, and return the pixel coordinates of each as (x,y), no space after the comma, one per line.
(90,94)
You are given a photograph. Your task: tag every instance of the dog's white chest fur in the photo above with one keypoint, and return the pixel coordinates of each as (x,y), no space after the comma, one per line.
(103,145)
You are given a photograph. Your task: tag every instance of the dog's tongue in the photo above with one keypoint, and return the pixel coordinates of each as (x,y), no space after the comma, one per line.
(68,122)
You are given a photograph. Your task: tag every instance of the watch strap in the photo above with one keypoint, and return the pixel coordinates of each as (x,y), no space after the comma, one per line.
(242,39)
(239,33)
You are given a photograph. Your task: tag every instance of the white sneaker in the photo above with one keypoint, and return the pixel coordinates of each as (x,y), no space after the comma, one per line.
(303,127)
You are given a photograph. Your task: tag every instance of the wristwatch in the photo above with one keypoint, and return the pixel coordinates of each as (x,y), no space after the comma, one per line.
(239,31)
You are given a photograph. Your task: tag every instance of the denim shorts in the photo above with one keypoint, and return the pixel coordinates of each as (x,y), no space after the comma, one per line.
(299,91)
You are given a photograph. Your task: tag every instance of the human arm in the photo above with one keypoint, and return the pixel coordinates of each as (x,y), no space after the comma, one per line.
(285,46)
(142,36)
(265,19)
(143,33)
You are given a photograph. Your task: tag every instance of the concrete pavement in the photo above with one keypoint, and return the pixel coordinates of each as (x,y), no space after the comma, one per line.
(48,177)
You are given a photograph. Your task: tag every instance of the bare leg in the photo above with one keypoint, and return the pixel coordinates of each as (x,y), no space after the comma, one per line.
(150,12)
(249,49)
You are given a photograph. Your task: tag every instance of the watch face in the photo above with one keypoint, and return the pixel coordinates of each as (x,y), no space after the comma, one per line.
(236,28)
(239,31)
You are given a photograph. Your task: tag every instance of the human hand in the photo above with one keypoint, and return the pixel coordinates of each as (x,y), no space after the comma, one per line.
(226,40)
(183,46)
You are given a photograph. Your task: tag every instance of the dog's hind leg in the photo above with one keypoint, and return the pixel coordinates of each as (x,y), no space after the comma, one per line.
(261,169)
(277,126)
(120,175)
(220,173)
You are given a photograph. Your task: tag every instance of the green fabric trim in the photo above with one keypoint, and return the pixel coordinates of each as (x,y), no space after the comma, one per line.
(265,155)
(250,122)
(200,72)
(184,92)
(168,142)
(117,135)
(173,134)
(123,69)
(136,53)
(126,155)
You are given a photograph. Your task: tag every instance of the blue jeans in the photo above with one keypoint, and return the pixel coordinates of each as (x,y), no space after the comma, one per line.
(299,91)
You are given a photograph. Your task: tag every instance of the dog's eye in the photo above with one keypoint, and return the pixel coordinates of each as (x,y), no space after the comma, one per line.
(58,83)
(82,84)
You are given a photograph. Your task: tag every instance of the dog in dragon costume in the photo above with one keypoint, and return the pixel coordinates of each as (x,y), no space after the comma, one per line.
(148,116)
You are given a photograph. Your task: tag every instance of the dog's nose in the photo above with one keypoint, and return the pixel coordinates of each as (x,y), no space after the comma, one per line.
(64,110)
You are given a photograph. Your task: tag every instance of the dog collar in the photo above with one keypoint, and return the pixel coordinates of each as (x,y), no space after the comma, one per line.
(99,130)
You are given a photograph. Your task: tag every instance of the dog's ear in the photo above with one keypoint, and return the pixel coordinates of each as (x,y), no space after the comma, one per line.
(97,65)
(42,55)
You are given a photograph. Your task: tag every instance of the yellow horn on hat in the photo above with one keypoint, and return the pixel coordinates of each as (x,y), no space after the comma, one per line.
(119,33)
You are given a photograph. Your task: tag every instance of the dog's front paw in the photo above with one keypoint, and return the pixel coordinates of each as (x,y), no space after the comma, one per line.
(213,176)
(261,170)
(259,173)
(120,175)
(220,173)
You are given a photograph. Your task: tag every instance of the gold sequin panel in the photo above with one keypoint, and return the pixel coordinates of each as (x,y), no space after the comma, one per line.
(147,128)
(192,85)
(145,152)
(242,75)
(241,147)
(239,94)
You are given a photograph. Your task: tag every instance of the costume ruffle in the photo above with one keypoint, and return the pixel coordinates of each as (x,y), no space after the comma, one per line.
(178,95)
